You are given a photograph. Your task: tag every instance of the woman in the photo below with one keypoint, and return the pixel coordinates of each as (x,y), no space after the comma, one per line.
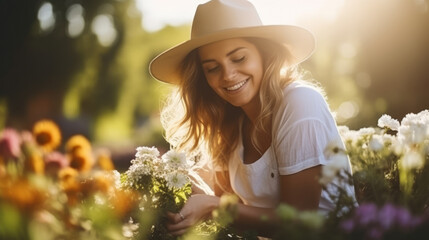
(240,98)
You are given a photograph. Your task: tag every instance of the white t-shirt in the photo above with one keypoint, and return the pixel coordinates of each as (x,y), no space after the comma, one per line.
(302,129)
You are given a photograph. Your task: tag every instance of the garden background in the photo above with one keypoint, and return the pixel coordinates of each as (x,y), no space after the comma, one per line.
(84,64)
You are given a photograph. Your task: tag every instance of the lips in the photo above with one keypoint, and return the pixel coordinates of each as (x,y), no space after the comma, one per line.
(237,86)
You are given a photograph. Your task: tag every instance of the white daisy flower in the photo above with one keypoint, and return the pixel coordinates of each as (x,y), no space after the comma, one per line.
(388,138)
(350,136)
(117,179)
(366,131)
(343,129)
(412,160)
(176,179)
(336,163)
(328,174)
(144,152)
(397,146)
(334,147)
(175,160)
(412,132)
(136,171)
(376,143)
(387,121)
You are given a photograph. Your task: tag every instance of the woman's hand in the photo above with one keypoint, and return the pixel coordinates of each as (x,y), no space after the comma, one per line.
(197,208)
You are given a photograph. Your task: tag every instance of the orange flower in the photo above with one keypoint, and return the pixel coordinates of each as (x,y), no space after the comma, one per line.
(105,162)
(80,160)
(47,134)
(77,142)
(2,170)
(124,202)
(68,177)
(103,183)
(25,197)
(100,182)
(69,182)
(35,163)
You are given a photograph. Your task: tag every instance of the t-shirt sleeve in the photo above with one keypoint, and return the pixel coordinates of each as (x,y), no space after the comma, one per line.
(304,127)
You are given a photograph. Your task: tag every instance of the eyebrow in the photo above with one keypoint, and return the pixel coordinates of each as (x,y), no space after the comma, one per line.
(228,54)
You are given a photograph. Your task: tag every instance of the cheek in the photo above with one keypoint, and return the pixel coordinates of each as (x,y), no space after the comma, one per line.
(212,82)
(257,69)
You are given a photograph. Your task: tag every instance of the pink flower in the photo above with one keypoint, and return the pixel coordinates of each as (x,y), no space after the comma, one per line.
(10,144)
(54,162)
(27,137)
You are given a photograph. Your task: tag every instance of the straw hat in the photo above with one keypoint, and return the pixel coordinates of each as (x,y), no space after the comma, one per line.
(222,19)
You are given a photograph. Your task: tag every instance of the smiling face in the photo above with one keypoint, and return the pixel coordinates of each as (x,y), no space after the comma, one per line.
(233,69)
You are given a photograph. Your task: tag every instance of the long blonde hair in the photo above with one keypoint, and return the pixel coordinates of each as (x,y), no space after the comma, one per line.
(196,119)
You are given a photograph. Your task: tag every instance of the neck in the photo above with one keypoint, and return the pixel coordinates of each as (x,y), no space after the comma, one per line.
(252,110)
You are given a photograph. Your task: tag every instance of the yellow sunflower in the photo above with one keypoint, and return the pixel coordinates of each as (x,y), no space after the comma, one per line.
(78,142)
(67,175)
(69,182)
(47,134)
(80,160)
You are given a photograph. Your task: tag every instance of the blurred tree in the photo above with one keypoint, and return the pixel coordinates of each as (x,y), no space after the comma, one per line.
(88,84)
(16,19)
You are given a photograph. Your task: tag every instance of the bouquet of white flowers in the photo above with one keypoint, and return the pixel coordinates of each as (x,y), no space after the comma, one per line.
(163,184)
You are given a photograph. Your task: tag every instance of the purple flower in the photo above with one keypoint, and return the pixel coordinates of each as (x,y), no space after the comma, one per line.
(348,225)
(403,217)
(366,213)
(376,222)
(416,221)
(387,216)
(10,144)
(375,233)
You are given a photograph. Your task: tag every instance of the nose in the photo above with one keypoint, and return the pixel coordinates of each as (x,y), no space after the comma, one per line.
(229,72)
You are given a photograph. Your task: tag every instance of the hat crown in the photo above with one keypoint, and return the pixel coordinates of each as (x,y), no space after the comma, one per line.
(218,15)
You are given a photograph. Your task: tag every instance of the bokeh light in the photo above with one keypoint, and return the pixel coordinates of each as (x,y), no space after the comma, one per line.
(76,21)
(46,17)
(104,28)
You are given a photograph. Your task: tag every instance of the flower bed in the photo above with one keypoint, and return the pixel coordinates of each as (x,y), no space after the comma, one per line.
(77,193)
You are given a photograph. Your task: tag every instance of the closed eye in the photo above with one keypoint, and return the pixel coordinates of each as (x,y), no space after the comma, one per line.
(237,60)
(212,69)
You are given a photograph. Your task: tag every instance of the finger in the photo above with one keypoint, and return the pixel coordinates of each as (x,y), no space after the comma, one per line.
(196,189)
(185,224)
(179,232)
(174,217)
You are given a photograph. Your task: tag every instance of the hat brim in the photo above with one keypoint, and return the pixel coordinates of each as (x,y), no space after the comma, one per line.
(299,42)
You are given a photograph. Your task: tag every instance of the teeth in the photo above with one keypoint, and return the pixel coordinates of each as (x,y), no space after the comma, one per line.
(236,86)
